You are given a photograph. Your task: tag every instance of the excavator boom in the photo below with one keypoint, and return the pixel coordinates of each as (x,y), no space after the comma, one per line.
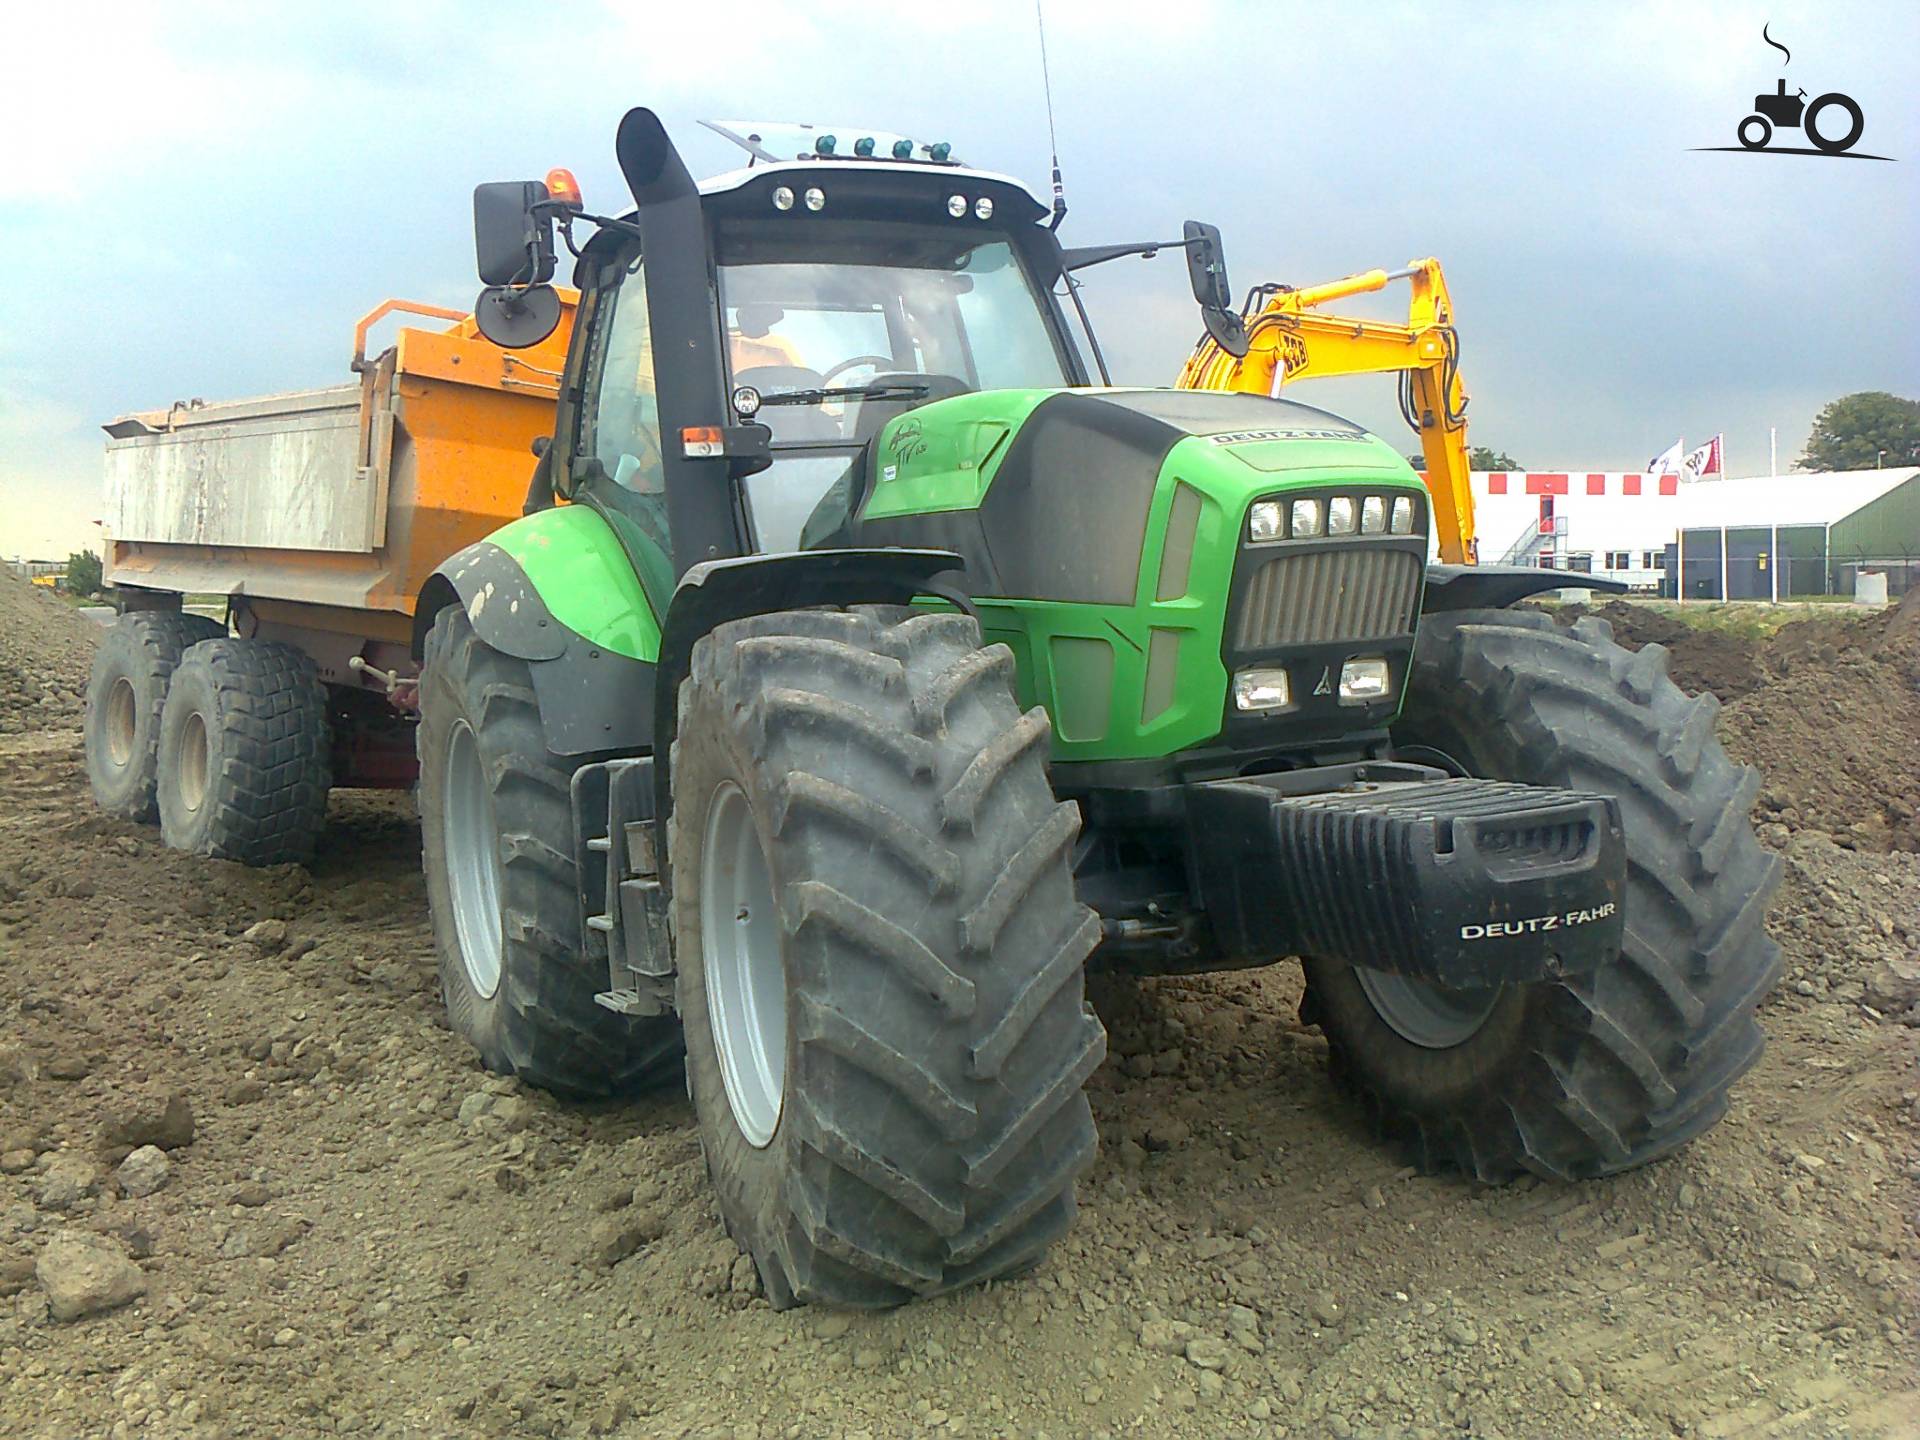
(1288,340)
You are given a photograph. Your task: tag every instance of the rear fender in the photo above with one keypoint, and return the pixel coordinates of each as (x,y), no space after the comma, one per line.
(556,590)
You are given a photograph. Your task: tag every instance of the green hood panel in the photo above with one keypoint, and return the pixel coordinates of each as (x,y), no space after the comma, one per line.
(943,456)
(578,567)
(1101,529)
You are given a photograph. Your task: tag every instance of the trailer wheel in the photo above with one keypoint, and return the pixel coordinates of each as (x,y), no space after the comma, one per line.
(1600,1072)
(496,829)
(131,667)
(880,955)
(243,764)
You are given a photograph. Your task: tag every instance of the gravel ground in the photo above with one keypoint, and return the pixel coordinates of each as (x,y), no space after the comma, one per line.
(277,1198)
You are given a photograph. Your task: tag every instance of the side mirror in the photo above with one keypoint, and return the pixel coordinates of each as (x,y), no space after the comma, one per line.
(1207,266)
(1207,269)
(514,317)
(512,241)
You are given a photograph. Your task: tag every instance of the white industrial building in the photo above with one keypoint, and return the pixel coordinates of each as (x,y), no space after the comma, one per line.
(1757,537)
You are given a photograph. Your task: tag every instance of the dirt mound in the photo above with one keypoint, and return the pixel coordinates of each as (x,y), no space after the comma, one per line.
(1728,665)
(1827,707)
(46,648)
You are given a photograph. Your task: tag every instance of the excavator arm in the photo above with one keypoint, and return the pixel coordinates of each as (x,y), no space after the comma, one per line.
(1288,340)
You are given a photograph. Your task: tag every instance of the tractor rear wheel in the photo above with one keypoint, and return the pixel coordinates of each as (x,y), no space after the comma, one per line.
(880,955)
(496,831)
(134,662)
(1599,1072)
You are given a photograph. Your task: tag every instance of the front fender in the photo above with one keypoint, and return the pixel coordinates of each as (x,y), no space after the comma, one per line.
(716,591)
(557,590)
(1495,587)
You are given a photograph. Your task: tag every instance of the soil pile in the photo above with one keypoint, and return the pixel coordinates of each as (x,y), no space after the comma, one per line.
(1827,707)
(46,648)
(1727,665)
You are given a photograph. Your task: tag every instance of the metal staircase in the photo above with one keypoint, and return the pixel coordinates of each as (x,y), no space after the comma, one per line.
(1548,534)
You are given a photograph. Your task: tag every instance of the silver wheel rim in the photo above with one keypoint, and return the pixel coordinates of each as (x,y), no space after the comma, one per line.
(473,861)
(120,723)
(190,762)
(740,952)
(1415,1010)
(1425,1014)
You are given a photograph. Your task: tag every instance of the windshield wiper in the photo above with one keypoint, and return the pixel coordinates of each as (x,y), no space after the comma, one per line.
(846,392)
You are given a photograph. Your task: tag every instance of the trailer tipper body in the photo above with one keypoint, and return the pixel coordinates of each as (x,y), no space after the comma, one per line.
(320,514)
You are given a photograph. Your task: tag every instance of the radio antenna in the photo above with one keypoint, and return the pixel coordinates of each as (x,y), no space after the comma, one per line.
(1053,140)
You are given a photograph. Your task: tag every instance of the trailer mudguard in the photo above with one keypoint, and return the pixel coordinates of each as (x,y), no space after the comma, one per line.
(557,590)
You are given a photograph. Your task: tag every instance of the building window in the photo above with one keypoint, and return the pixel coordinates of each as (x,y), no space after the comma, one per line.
(1619,560)
(1654,560)
(1582,561)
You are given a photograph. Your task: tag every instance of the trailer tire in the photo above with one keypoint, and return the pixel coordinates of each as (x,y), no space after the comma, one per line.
(243,762)
(1595,1073)
(496,829)
(886,1032)
(131,668)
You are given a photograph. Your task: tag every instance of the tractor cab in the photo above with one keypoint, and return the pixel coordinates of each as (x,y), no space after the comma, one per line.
(836,282)
(849,292)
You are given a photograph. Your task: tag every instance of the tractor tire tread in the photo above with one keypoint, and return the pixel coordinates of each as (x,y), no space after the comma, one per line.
(552,1032)
(1622,1065)
(915,944)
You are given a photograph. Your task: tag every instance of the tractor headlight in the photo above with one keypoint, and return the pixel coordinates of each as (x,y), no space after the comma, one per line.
(1306,517)
(983,209)
(1363,681)
(1266,521)
(1403,515)
(816,199)
(1340,515)
(1261,689)
(956,206)
(1373,515)
(782,198)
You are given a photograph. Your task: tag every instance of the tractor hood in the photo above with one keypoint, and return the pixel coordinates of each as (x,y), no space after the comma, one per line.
(1058,484)
(1108,539)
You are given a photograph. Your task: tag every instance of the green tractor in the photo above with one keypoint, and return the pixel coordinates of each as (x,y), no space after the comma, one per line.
(884,672)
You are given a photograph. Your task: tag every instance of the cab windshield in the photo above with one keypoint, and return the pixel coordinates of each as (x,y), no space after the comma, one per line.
(899,316)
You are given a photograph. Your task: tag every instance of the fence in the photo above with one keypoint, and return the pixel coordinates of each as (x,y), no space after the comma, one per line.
(1799,577)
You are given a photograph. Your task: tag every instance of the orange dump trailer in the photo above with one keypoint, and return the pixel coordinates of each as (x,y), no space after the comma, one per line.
(319,514)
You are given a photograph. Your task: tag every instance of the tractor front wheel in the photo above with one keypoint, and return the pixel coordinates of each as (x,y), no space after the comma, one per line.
(880,956)
(1596,1072)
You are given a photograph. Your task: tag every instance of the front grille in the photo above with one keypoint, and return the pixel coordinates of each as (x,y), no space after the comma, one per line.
(1354,591)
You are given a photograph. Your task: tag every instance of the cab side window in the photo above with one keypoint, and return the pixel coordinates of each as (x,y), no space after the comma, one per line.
(620,425)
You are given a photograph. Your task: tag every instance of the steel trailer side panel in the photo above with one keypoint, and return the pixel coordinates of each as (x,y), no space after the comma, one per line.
(287,477)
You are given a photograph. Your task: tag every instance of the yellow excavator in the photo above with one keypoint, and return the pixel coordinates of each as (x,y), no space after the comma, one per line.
(1286,339)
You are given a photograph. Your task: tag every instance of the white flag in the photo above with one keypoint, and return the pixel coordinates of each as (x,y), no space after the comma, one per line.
(1668,461)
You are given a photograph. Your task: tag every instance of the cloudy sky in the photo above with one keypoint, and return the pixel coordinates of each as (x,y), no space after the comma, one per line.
(199,198)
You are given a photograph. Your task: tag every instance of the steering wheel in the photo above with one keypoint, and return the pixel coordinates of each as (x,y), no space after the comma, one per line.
(879,362)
